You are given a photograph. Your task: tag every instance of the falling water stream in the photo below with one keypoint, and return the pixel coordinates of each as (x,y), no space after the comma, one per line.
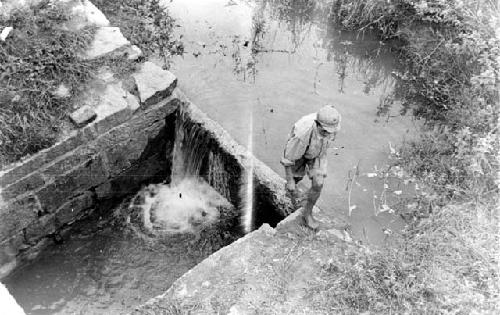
(248,210)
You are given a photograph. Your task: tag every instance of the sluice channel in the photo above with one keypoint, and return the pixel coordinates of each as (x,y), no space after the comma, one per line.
(119,258)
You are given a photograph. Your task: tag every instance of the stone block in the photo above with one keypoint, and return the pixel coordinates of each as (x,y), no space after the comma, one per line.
(9,250)
(69,161)
(116,106)
(17,215)
(130,180)
(86,13)
(83,116)
(10,247)
(69,143)
(134,53)
(89,174)
(131,141)
(71,210)
(104,191)
(122,156)
(40,228)
(154,83)
(107,40)
(21,169)
(26,184)
(140,143)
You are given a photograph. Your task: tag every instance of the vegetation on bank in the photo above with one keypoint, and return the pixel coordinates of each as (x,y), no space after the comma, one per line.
(144,23)
(38,57)
(447,261)
(43,72)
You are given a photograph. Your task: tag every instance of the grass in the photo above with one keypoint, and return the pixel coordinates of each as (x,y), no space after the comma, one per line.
(446,262)
(38,56)
(146,24)
(41,55)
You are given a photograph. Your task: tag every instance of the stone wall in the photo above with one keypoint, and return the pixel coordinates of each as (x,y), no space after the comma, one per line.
(119,139)
(104,159)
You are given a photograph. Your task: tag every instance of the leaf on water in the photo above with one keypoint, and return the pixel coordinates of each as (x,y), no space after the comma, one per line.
(352,207)
(393,151)
(412,206)
(384,208)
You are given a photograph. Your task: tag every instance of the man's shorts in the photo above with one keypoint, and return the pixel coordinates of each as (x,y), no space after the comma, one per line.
(311,167)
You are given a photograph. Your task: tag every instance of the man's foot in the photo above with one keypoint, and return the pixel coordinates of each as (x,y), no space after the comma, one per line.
(310,222)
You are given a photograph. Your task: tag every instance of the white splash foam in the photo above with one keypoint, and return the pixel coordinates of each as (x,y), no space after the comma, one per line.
(181,207)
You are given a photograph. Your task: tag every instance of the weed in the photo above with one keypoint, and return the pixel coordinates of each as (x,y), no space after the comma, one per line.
(146,23)
(445,264)
(450,81)
(42,54)
(39,56)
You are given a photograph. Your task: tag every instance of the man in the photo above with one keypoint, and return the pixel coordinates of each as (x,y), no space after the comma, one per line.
(305,151)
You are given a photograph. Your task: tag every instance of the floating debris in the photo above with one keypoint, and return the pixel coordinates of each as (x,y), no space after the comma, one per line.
(387,231)
(5,32)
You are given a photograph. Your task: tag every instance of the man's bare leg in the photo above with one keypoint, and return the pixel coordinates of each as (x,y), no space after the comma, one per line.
(311,197)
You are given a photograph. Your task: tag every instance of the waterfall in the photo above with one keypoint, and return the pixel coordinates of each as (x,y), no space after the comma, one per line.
(198,190)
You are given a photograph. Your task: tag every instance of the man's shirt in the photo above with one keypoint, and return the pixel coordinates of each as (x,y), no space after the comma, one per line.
(305,141)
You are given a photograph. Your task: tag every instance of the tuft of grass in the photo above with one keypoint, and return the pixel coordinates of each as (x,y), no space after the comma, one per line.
(147,24)
(447,264)
(446,261)
(38,56)
(43,53)
(450,81)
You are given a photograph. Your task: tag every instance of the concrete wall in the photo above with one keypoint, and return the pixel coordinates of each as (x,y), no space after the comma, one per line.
(271,204)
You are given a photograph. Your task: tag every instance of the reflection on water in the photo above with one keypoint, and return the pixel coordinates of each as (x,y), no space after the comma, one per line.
(278,60)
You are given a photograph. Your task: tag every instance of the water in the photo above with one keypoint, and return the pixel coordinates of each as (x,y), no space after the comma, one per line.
(101,269)
(276,61)
(109,265)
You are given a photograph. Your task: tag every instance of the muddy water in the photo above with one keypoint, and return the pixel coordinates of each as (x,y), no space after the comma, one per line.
(270,63)
(106,272)
(110,266)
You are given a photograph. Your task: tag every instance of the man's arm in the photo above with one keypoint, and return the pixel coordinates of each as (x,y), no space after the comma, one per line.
(294,150)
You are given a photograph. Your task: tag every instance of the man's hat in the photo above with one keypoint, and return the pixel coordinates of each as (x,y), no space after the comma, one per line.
(329,118)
